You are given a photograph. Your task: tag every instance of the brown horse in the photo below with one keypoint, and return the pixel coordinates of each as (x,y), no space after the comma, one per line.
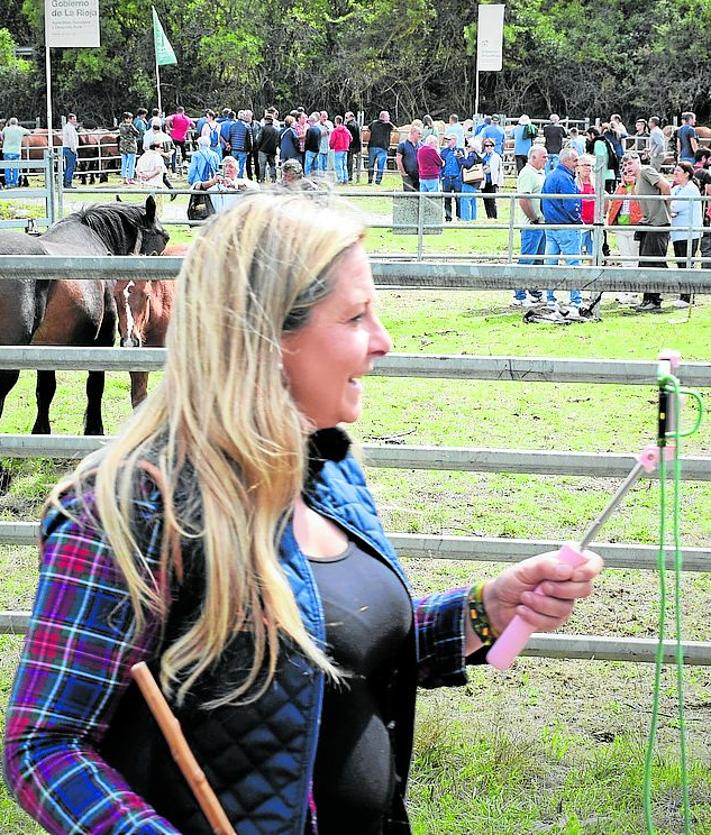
(97,153)
(82,313)
(144,309)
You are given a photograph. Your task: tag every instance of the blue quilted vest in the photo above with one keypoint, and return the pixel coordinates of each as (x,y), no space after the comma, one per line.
(259,757)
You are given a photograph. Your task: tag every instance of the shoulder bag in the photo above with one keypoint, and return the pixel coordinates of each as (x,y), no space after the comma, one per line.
(473,175)
(200,204)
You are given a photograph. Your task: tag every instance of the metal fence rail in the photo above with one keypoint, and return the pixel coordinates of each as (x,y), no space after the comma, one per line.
(470,548)
(418,275)
(465,459)
(584,647)
(445,366)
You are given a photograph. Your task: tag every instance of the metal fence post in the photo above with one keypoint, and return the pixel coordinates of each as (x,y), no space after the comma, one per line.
(598,236)
(49,200)
(512,214)
(60,185)
(420,226)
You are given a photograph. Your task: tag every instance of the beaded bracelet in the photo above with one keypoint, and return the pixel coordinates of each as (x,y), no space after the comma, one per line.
(478,616)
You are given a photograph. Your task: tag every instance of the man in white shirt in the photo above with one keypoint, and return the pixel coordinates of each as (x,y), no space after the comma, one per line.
(12,136)
(70,148)
(155,133)
(657,144)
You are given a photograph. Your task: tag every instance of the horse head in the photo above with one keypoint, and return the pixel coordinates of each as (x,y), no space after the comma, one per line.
(133,301)
(152,237)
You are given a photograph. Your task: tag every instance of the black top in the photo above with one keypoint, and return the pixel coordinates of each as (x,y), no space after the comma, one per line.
(380,134)
(554,134)
(368,616)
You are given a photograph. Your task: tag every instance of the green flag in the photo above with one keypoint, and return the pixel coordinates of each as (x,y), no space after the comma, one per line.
(164,51)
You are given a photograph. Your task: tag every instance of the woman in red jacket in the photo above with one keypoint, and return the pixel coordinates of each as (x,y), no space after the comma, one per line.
(339,142)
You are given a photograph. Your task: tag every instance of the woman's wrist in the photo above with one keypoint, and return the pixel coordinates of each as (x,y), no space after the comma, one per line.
(479,620)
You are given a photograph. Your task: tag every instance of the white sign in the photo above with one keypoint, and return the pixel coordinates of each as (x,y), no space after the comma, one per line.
(71,23)
(489,38)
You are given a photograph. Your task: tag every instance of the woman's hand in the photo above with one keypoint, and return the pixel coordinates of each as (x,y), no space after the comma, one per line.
(512,592)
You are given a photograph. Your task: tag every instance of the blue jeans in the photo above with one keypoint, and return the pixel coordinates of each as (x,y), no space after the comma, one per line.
(241,157)
(310,163)
(429,185)
(128,166)
(467,205)
(533,242)
(563,242)
(12,173)
(587,242)
(551,163)
(454,184)
(376,156)
(322,162)
(341,172)
(70,163)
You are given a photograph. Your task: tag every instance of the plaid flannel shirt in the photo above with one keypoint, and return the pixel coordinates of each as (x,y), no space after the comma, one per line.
(75,666)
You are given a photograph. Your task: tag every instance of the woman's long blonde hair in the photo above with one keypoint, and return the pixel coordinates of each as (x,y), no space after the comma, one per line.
(223,409)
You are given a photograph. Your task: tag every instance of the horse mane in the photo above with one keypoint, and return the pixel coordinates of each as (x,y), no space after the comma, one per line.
(116,224)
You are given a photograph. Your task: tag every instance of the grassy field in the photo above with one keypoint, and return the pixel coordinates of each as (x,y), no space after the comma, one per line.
(550,746)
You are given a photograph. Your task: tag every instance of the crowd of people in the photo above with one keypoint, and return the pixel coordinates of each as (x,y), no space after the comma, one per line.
(228,152)
(680,214)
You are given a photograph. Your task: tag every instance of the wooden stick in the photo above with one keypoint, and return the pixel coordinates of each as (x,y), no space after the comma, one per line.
(179,748)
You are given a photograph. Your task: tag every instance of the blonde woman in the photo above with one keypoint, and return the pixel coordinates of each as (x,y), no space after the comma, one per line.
(228,538)
(584,180)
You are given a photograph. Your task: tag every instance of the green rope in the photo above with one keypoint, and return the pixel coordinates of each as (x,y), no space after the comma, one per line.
(671,385)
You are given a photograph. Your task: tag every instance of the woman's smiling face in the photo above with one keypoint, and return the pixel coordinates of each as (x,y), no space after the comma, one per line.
(325,359)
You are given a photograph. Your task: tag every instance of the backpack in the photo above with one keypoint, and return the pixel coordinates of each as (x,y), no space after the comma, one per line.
(530,131)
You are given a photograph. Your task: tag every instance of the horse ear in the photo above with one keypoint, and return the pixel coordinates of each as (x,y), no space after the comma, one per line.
(151,209)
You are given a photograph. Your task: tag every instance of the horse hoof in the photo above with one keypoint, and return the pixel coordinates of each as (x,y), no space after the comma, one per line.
(5,480)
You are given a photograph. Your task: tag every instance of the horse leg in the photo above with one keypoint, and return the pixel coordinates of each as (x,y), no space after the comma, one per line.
(46,387)
(7,382)
(139,387)
(93,424)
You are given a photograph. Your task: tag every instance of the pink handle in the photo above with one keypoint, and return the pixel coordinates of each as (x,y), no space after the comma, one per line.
(515,637)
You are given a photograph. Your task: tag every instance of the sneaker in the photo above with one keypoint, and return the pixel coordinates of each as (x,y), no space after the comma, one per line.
(517,302)
(681,304)
(649,307)
(552,304)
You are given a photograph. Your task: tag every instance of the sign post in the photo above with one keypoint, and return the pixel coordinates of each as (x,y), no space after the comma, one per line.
(67,23)
(489,43)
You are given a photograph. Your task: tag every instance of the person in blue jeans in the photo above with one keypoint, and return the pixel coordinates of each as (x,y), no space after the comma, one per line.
(12,136)
(451,180)
(566,242)
(378,144)
(533,238)
(70,148)
(467,205)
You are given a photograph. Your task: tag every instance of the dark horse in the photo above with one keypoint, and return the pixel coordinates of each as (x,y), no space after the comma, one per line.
(72,312)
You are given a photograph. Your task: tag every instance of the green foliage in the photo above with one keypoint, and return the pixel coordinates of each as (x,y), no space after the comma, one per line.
(577,57)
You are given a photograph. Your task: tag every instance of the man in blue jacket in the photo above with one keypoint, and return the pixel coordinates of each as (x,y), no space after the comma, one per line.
(450,175)
(565,242)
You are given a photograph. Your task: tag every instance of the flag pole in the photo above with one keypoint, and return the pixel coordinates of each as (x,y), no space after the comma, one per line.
(160,108)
